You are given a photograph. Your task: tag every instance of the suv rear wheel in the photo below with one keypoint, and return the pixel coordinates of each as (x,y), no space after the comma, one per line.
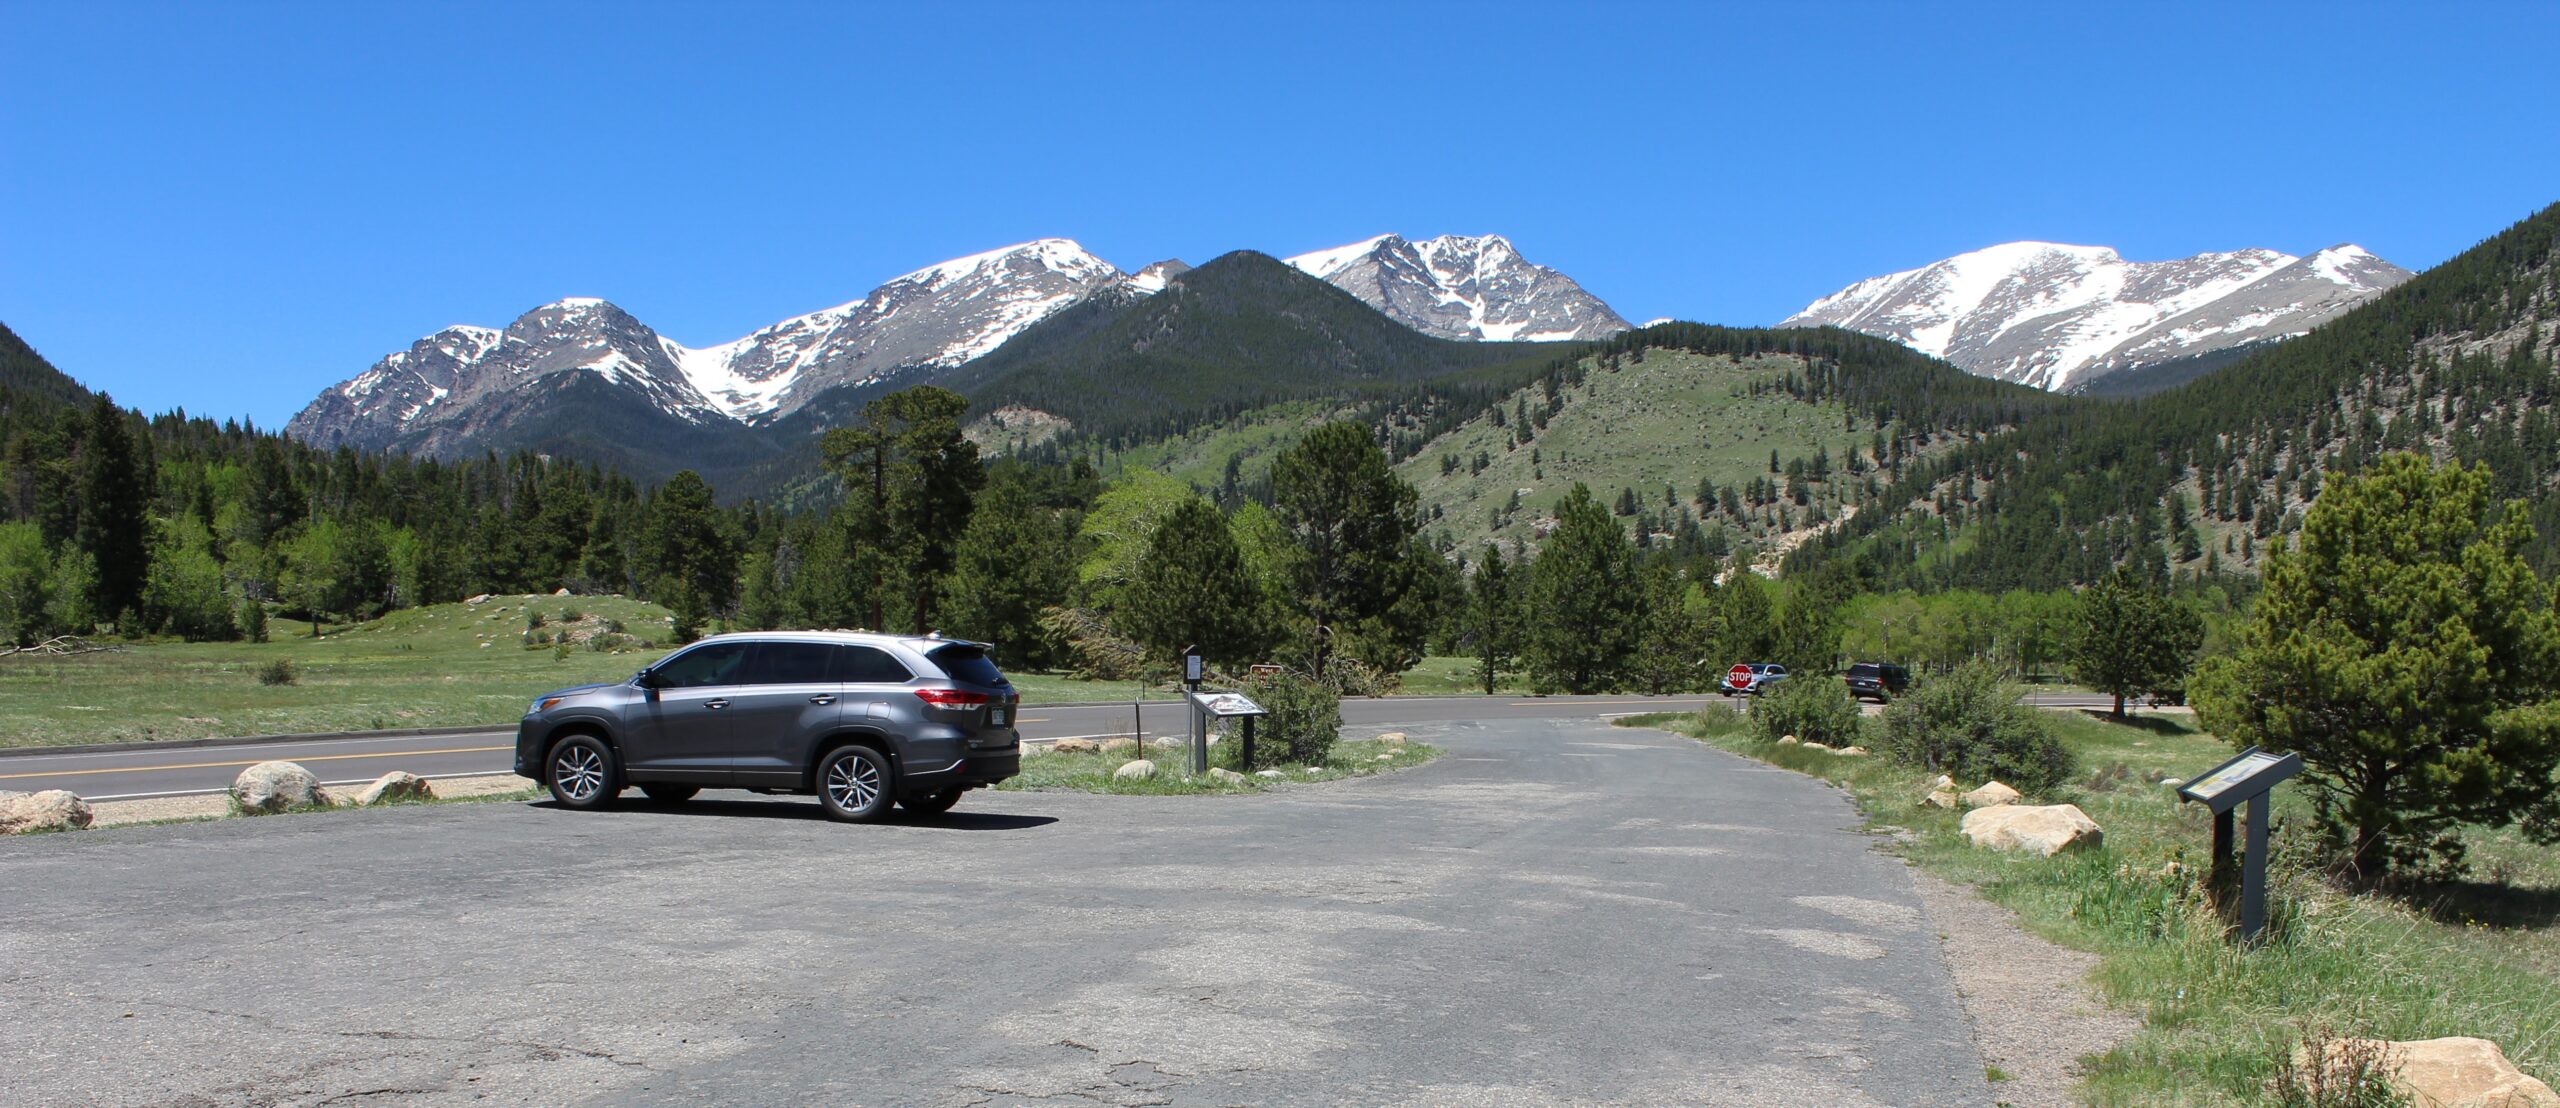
(854,784)
(582,774)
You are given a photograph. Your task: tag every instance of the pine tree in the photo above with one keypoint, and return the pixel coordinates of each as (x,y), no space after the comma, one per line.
(913,478)
(2408,653)
(685,540)
(1583,597)
(2133,639)
(1354,523)
(1493,617)
(1191,590)
(115,506)
(1014,562)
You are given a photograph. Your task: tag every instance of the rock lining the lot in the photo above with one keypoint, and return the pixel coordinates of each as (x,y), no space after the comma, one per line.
(2046,829)
(270,787)
(2453,1072)
(50,810)
(1075,746)
(1225,775)
(1119,746)
(1138,770)
(1393,738)
(1991,795)
(395,786)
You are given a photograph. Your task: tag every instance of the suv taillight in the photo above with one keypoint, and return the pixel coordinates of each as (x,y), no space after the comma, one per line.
(952,698)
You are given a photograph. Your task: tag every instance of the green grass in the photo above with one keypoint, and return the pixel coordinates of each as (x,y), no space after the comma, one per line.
(1092,773)
(2216,1015)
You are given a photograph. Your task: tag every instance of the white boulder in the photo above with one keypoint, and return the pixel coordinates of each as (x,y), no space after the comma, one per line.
(50,810)
(2046,829)
(1393,738)
(394,787)
(1138,770)
(276,787)
(1991,795)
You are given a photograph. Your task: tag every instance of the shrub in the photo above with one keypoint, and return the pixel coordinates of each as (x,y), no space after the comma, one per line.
(1816,709)
(278,672)
(2326,1069)
(1721,719)
(1969,724)
(572,615)
(1305,719)
(532,619)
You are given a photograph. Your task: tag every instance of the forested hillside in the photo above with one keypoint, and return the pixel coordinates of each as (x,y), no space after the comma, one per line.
(184,526)
(2199,479)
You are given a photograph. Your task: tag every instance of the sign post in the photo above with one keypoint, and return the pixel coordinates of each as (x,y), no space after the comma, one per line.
(2247,777)
(1223,706)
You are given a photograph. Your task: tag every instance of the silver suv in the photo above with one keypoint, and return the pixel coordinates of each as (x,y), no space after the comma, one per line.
(861,720)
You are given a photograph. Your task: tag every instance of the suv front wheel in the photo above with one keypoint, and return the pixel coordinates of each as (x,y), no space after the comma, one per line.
(581,773)
(854,784)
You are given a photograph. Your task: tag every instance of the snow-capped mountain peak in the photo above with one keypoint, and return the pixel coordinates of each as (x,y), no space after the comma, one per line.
(1463,287)
(938,316)
(2056,315)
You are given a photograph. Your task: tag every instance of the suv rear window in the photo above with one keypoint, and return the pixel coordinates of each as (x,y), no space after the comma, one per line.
(968,663)
(865,665)
(1866,669)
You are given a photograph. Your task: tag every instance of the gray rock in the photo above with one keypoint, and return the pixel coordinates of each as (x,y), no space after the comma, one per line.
(1138,770)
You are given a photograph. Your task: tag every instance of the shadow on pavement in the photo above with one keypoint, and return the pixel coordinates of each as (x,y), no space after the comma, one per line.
(804,808)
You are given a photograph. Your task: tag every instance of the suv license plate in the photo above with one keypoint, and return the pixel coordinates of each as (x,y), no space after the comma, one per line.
(996,717)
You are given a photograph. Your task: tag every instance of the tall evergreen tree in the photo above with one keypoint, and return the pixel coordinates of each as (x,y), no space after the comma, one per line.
(1493,617)
(1015,561)
(1354,523)
(913,477)
(1583,598)
(115,512)
(686,541)
(1191,590)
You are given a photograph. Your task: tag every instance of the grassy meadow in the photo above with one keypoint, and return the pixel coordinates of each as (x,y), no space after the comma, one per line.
(2482,958)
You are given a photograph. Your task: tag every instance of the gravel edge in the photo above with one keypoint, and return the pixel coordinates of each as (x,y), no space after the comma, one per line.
(2032,1013)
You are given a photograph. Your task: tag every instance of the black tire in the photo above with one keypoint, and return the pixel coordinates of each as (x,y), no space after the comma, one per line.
(931,804)
(856,784)
(669,794)
(582,773)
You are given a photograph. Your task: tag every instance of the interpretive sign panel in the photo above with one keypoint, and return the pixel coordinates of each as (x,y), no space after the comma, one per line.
(2253,772)
(1227,705)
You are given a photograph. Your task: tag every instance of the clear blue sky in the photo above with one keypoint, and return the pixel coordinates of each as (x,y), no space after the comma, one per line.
(229,207)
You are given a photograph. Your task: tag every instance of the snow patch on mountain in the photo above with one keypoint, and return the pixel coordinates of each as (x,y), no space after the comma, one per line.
(2056,315)
(1474,287)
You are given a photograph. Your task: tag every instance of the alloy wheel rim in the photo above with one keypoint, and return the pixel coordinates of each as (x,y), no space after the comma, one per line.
(579,772)
(853,783)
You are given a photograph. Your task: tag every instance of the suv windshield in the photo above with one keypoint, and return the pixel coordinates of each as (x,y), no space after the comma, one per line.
(967,663)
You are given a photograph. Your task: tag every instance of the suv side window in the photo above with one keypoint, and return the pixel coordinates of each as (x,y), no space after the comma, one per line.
(865,665)
(793,663)
(720,663)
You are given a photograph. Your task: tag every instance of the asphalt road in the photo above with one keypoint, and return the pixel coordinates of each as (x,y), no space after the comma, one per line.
(1554,912)
(151,770)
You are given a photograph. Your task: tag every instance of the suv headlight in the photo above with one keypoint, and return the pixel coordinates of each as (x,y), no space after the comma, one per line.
(544,705)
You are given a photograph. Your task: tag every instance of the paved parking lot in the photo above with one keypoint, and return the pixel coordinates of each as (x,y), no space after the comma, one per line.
(1552,913)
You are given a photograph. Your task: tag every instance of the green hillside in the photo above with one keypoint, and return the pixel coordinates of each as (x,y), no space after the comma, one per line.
(1656,423)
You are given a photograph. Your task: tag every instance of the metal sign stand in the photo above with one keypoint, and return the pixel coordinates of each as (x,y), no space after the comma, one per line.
(1222,706)
(1191,671)
(2249,777)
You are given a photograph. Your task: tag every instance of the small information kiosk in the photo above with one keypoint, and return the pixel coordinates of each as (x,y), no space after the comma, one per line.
(2247,777)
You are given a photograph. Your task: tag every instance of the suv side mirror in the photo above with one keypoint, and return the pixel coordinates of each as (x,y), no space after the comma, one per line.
(645,679)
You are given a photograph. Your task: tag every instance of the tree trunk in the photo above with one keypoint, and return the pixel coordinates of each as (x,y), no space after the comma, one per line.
(2119,705)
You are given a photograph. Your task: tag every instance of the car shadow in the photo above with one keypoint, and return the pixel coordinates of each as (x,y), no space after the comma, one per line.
(805,809)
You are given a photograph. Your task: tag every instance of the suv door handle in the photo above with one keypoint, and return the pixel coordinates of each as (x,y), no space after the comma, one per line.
(716,705)
(823,698)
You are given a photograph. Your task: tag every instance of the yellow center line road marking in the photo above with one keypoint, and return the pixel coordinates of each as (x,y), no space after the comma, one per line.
(226,765)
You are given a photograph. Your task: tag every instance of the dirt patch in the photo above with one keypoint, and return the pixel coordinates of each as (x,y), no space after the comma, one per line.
(2033,1015)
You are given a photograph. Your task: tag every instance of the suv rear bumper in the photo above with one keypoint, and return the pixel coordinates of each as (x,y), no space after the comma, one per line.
(980,768)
